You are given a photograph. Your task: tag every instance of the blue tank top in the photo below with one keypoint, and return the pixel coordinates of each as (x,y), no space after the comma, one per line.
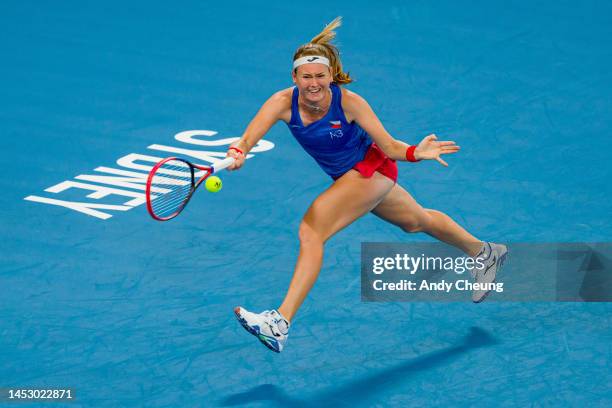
(335,144)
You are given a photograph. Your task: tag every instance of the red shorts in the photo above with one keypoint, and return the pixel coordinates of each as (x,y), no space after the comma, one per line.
(376,160)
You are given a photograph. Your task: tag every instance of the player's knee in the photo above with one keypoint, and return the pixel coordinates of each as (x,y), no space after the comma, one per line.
(417,223)
(411,226)
(308,235)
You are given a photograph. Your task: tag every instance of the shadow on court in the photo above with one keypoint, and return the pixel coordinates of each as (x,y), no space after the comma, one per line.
(364,388)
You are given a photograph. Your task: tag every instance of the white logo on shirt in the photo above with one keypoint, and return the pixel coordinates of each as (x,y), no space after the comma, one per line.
(336,133)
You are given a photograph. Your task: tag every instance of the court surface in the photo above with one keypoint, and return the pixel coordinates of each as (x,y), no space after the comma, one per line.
(132,312)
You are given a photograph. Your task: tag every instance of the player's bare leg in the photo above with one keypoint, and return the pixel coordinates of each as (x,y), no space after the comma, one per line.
(401,209)
(350,197)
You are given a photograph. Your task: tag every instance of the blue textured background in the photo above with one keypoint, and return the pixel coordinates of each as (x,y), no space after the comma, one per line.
(130,312)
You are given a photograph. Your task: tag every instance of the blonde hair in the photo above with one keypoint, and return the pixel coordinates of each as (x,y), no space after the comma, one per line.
(321,44)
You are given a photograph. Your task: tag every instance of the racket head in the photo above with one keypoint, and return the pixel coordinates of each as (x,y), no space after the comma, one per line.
(170,185)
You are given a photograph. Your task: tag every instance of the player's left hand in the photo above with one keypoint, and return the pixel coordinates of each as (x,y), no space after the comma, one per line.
(430,148)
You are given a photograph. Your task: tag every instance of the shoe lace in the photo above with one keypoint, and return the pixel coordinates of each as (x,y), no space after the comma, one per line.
(490,257)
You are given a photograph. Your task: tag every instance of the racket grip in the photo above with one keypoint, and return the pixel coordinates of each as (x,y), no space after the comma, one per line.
(228,161)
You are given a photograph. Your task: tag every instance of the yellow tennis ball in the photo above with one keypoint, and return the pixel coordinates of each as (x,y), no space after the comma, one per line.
(213,184)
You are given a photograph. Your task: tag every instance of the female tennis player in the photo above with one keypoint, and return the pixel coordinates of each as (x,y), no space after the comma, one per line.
(341,132)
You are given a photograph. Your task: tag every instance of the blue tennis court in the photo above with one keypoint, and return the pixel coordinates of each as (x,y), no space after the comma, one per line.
(97,297)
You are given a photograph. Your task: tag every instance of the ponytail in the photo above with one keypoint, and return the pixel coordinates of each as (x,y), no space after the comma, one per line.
(321,44)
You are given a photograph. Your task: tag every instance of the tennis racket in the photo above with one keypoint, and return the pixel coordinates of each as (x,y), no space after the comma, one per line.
(172,182)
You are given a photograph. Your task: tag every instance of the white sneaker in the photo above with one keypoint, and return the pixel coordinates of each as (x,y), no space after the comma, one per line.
(493,257)
(270,327)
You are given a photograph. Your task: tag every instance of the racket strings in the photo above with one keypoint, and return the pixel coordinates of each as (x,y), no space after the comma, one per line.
(176,178)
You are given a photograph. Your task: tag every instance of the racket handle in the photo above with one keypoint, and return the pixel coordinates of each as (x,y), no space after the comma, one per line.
(228,161)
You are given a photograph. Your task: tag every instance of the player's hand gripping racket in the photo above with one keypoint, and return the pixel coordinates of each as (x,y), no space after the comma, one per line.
(172,182)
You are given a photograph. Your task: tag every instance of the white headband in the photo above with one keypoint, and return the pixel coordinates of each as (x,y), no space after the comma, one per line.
(310,59)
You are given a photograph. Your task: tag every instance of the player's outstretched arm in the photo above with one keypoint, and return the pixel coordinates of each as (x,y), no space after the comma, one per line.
(358,109)
(270,112)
